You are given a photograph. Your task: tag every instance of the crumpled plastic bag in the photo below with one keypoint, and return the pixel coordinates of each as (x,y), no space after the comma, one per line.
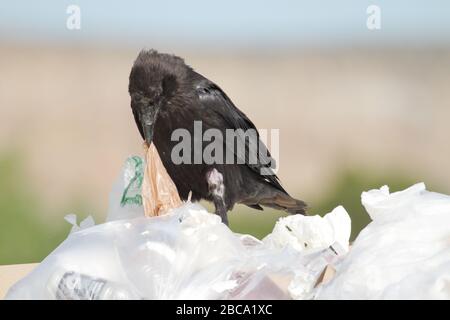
(159,193)
(404,253)
(311,233)
(187,253)
(125,198)
(322,241)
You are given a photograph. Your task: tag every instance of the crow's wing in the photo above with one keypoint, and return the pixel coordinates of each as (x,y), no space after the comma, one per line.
(214,99)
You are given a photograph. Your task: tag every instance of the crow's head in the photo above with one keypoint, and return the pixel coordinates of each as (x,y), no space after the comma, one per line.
(154,80)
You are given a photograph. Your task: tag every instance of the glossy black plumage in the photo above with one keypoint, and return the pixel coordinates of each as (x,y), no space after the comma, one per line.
(166,94)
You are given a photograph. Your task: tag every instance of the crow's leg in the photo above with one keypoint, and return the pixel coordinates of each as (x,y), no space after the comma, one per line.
(217,191)
(221,210)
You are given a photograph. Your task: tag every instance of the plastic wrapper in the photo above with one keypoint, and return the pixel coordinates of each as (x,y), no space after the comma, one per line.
(125,198)
(404,253)
(159,193)
(187,253)
(311,233)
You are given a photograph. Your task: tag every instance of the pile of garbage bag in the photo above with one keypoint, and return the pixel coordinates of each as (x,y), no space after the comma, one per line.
(189,253)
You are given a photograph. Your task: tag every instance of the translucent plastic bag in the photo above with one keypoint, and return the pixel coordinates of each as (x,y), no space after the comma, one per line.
(187,253)
(404,253)
(125,198)
(159,193)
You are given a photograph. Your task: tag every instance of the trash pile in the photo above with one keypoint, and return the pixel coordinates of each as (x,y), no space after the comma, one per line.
(188,253)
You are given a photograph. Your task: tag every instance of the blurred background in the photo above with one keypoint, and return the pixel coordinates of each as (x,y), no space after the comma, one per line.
(357,107)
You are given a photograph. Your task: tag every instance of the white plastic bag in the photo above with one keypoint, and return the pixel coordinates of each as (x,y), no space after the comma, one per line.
(125,199)
(186,254)
(404,253)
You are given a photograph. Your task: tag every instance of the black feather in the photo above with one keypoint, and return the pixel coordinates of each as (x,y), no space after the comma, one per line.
(215,99)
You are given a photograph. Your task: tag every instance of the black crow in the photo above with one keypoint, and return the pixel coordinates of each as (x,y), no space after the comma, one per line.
(166,94)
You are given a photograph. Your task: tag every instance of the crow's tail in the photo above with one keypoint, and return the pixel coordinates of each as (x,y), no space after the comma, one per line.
(282,201)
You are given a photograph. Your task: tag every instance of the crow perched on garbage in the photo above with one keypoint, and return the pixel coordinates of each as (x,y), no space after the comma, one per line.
(166,95)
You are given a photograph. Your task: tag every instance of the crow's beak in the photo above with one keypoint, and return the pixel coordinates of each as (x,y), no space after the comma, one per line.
(146,112)
(148,119)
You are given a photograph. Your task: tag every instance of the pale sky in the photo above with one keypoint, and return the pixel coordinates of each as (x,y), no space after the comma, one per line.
(229,24)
